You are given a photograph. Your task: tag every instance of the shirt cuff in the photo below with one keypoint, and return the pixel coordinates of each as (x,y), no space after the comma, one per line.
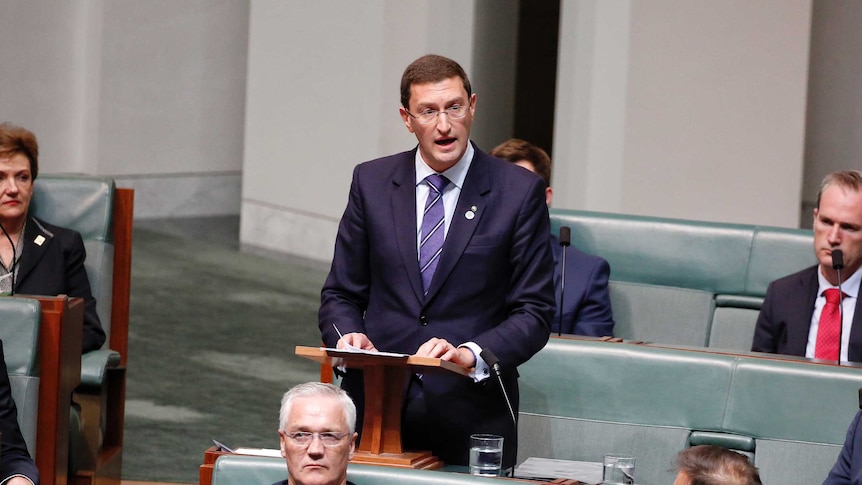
(17,475)
(481,371)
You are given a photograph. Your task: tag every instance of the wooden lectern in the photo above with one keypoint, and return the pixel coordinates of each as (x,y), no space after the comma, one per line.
(385,380)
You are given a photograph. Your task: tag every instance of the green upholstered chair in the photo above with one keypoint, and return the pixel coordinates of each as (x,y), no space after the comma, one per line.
(664,271)
(102,214)
(581,398)
(261,470)
(20,336)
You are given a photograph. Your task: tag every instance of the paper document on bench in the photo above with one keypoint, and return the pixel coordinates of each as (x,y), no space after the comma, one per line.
(583,471)
(258,452)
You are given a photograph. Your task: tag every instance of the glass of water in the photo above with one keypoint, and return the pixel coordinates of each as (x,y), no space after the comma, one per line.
(486,454)
(619,470)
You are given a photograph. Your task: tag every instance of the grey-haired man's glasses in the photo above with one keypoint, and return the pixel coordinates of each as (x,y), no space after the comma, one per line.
(304,438)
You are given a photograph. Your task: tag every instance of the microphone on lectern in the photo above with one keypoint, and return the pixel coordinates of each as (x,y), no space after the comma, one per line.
(494,363)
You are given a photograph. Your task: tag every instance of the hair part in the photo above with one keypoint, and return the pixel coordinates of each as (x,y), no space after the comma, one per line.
(431,68)
(317,389)
(846,179)
(515,150)
(15,140)
(714,465)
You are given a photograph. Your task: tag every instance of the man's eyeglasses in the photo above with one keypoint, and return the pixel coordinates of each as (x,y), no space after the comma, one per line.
(304,438)
(428,116)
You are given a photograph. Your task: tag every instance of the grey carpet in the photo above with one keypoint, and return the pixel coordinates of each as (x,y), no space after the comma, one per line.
(211,344)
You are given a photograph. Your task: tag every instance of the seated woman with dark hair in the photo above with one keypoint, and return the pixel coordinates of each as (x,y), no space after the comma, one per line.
(38,258)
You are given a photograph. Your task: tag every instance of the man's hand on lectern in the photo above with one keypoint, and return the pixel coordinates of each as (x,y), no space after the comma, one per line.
(442,349)
(356,339)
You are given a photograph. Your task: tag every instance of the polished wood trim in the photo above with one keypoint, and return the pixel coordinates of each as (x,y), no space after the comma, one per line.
(124,204)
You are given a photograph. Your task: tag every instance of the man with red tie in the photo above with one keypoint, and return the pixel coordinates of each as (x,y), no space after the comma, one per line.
(800,314)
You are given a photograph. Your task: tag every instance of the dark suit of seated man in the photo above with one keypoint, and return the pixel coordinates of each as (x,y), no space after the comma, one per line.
(848,468)
(587,304)
(16,465)
(799,315)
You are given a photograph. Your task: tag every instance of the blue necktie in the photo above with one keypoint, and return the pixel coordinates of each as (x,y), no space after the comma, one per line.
(433,232)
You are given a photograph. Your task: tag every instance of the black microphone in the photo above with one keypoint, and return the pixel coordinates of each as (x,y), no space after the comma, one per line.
(494,363)
(837,264)
(565,241)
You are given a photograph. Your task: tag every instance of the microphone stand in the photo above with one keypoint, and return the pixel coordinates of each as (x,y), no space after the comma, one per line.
(565,242)
(837,264)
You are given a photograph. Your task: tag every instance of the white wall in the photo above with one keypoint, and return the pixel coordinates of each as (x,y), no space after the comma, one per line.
(690,109)
(151,93)
(323,96)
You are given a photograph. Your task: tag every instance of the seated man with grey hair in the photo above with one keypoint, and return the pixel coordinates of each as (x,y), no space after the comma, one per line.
(317,426)
(714,465)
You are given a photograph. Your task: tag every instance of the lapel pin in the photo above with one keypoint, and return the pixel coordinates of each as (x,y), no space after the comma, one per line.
(469,215)
(39,240)
(473,208)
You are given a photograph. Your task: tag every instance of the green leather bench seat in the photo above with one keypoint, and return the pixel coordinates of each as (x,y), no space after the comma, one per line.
(20,335)
(582,398)
(261,470)
(665,271)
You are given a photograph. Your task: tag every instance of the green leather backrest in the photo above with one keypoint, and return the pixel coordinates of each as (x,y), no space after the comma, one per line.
(85,204)
(792,400)
(260,470)
(655,313)
(20,336)
(735,259)
(626,383)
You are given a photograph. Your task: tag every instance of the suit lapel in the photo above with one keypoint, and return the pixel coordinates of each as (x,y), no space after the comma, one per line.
(800,322)
(854,346)
(404,221)
(476,184)
(36,242)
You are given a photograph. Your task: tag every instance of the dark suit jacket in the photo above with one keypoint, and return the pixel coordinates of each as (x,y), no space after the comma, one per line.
(14,458)
(493,286)
(587,302)
(56,267)
(848,468)
(785,317)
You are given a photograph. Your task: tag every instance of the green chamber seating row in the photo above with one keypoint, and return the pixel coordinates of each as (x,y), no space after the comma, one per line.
(685,282)
(260,470)
(20,336)
(581,398)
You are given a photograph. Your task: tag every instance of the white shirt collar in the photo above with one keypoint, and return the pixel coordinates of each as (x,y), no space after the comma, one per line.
(850,287)
(456,173)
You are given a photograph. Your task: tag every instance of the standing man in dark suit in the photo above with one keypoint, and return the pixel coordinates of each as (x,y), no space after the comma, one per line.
(393,288)
(587,302)
(790,318)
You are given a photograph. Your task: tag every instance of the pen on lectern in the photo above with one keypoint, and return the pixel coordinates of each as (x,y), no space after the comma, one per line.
(340,337)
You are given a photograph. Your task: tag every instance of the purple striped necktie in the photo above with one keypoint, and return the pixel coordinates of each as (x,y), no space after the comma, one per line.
(433,232)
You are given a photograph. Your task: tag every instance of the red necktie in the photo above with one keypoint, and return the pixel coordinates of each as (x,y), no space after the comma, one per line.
(829,328)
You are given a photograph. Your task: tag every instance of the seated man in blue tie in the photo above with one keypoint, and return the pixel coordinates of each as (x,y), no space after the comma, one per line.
(587,302)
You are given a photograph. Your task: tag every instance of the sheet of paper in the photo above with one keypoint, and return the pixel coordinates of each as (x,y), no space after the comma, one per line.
(258,452)
(583,471)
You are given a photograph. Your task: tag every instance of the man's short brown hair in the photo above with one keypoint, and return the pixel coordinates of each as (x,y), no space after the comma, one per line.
(514,150)
(15,140)
(714,465)
(848,179)
(431,68)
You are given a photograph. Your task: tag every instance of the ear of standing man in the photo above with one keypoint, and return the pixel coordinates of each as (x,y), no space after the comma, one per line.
(443,251)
